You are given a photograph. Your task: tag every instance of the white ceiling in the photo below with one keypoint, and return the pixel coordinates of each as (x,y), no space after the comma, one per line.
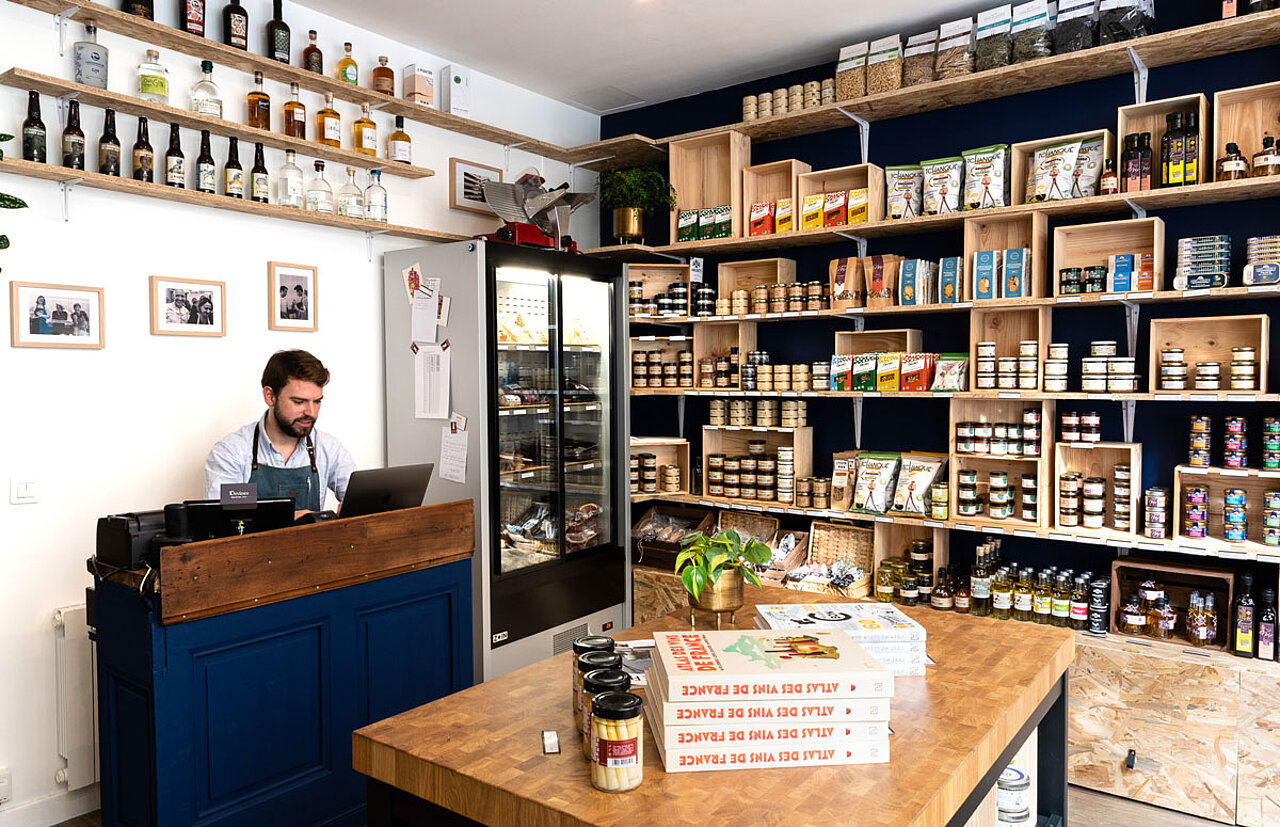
(608,55)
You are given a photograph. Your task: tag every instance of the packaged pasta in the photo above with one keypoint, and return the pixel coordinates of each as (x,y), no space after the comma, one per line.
(915,478)
(942,180)
(1089,163)
(904,191)
(877,473)
(955,50)
(1032,31)
(851,72)
(986,177)
(918,58)
(1052,172)
(994,45)
(884,65)
(1076,27)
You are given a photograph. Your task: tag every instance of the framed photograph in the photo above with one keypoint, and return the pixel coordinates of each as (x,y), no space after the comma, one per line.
(464,185)
(291,297)
(188,307)
(55,315)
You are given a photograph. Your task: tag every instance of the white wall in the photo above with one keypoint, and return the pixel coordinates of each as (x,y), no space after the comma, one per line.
(127,427)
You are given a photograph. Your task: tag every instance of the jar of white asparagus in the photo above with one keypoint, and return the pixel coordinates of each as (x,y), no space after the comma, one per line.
(597,682)
(587,662)
(617,742)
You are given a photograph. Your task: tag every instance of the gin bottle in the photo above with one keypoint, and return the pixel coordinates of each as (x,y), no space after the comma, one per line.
(350,198)
(375,199)
(289,183)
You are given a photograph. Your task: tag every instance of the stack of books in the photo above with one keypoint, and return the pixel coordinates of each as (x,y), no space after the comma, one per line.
(888,635)
(766,698)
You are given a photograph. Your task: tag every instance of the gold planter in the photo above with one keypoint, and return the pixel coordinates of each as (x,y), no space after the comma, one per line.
(628,225)
(724,595)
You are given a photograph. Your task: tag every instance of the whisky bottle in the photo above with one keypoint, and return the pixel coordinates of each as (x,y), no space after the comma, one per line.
(259,179)
(329,123)
(235,25)
(259,105)
(277,35)
(942,598)
(140,8)
(73,139)
(295,115)
(375,199)
(1079,603)
(232,172)
(289,183)
(144,157)
(980,587)
(384,77)
(206,97)
(109,147)
(175,163)
(89,58)
(347,70)
(1148,593)
(319,193)
(1243,621)
(365,133)
(191,16)
(961,598)
(1042,600)
(1060,607)
(1197,622)
(399,144)
(312,57)
(153,79)
(1022,597)
(1266,161)
(1267,626)
(1163,619)
(1211,618)
(1001,595)
(206,167)
(1133,619)
(35,139)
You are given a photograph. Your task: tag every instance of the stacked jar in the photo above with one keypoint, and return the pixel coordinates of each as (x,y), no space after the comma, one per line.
(969,502)
(747,477)
(1030,510)
(764,377)
(794,413)
(1076,280)
(764,105)
(732,478)
(1173,369)
(741,414)
(1056,367)
(767,413)
(827,91)
(1121,507)
(801,378)
(985,365)
(634,475)
(1199,440)
(815,296)
(1070,489)
(635,298)
(795,297)
(1195,512)
(723,306)
(704,301)
(786,474)
(1244,369)
(1235,443)
(1271,518)
(715,475)
(639,368)
(1000,439)
(750,108)
(740,302)
(821,493)
(1093,502)
(780,101)
(1208,376)
(940,501)
(1105,372)
(804,491)
(648,473)
(999,496)
(1271,444)
(767,477)
(1028,365)
(821,372)
(1080,427)
(760,299)
(670,479)
(1235,521)
(1156,516)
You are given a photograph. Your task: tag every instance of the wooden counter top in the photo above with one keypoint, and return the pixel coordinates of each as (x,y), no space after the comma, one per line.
(478,752)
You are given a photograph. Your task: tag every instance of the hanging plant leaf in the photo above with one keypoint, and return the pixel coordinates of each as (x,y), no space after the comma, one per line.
(11,202)
(4,242)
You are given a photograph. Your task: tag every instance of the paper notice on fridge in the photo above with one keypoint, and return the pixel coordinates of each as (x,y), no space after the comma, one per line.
(442,316)
(412,279)
(453,454)
(425,310)
(431,382)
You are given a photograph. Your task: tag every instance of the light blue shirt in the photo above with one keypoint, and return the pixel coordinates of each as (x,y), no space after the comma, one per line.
(231,460)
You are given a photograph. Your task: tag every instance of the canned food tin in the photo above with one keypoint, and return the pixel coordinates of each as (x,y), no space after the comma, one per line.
(1208,369)
(1233,514)
(1104,347)
(1201,423)
(1056,367)
(1195,494)
(1235,532)
(1156,531)
(1195,512)
(987,350)
(1199,459)
(1199,441)
(1270,536)
(1194,529)
(1235,442)
(1233,459)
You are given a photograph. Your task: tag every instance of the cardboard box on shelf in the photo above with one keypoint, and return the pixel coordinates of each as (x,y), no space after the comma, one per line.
(418,85)
(455,95)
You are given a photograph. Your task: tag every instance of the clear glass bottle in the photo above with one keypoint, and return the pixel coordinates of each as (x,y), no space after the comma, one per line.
(295,115)
(1197,622)
(1060,608)
(942,598)
(289,192)
(235,25)
(347,70)
(1023,595)
(1266,161)
(259,178)
(1042,600)
(206,167)
(375,198)
(232,172)
(1079,604)
(109,147)
(259,105)
(399,144)
(329,123)
(365,133)
(73,138)
(1148,593)
(980,586)
(312,57)
(384,77)
(1001,595)
(319,193)
(89,58)
(1232,166)
(153,79)
(144,157)
(175,163)
(1132,619)
(351,197)
(1211,618)
(206,97)
(278,36)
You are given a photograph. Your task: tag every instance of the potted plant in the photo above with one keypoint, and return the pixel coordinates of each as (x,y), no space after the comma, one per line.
(8,202)
(631,193)
(713,570)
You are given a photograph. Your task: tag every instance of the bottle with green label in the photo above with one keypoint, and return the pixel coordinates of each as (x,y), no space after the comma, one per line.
(153,79)
(348,71)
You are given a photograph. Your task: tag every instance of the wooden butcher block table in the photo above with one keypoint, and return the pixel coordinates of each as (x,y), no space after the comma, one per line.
(476,756)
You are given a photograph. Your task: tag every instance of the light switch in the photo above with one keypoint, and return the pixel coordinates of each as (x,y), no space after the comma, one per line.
(23,492)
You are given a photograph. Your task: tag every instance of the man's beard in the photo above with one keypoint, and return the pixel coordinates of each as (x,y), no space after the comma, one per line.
(297,429)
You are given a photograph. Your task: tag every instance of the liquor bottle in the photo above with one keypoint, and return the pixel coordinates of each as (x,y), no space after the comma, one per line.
(1001,595)
(1042,600)
(89,58)
(1173,161)
(365,133)
(175,163)
(1133,619)
(206,167)
(191,16)
(1243,622)
(259,105)
(399,144)
(1266,161)
(319,193)
(141,8)
(942,598)
(1022,597)
(235,25)
(347,70)
(1164,149)
(35,139)
(1197,622)
(295,115)
(384,77)
(277,35)
(259,179)
(289,182)
(329,123)
(232,172)
(961,598)
(153,79)
(375,199)
(1267,626)
(1130,166)
(1232,166)
(206,97)
(1060,607)
(1144,161)
(144,157)
(109,147)
(312,57)
(73,139)
(1211,618)
(1162,620)
(979,587)
(1079,603)
(1191,148)
(1148,593)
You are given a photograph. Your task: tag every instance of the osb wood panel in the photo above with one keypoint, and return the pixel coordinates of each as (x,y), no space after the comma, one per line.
(656,593)
(1258,787)
(218,576)
(469,753)
(1179,716)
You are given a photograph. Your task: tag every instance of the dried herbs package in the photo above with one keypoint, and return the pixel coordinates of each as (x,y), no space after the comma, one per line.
(918,57)
(942,180)
(903,191)
(1076,28)
(1032,31)
(994,46)
(1089,163)
(986,177)
(1052,172)
(851,72)
(955,50)
(1120,20)
(884,65)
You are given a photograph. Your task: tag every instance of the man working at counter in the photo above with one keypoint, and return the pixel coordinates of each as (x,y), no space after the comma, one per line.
(293,388)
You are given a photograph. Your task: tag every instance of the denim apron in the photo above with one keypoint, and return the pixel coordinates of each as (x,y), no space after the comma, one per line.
(300,483)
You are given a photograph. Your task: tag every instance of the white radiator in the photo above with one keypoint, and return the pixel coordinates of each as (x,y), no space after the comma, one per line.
(77,698)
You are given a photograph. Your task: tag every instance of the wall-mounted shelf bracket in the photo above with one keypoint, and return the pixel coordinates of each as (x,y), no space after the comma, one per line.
(506,155)
(65,187)
(680,417)
(1129,407)
(864,131)
(368,242)
(1139,211)
(60,26)
(857,422)
(1139,77)
(862,242)
(1131,326)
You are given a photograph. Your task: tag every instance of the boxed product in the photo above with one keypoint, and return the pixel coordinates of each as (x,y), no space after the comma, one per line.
(986,274)
(456,98)
(846,282)
(880,273)
(909,273)
(858,206)
(811,211)
(950,283)
(723,221)
(862,376)
(986,177)
(888,371)
(841,372)
(1016,280)
(783,218)
(917,371)
(1145,278)
(761,219)
(687,225)
(418,84)
(877,473)
(1120,273)
(841,490)
(915,477)
(707,223)
(835,209)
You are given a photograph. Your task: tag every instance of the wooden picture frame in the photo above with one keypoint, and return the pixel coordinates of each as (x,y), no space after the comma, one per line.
(297,309)
(188,307)
(459,170)
(56,315)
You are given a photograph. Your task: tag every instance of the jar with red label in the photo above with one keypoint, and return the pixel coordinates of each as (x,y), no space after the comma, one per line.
(617,742)
(597,682)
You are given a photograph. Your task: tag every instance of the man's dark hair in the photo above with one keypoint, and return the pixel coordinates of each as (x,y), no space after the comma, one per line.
(293,364)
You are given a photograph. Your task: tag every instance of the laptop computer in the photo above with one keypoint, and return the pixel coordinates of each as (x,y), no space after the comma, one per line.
(376,490)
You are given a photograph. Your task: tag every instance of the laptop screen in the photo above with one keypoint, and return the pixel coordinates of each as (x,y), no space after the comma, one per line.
(376,490)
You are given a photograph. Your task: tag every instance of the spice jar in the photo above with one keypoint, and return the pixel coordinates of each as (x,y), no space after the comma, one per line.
(617,742)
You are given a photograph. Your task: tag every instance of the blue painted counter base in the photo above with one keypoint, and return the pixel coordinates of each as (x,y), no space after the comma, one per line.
(246,718)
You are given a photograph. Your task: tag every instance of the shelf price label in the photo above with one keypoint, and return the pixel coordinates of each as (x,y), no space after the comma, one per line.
(962,305)
(1233,554)
(880,519)
(1069,299)
(1198,291)
(1264,288)
(932,523)
(1023,532)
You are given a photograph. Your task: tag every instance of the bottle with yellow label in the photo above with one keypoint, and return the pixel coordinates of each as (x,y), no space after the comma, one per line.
(365,133)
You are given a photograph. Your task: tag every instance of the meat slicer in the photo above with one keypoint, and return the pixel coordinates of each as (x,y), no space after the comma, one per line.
(533,215)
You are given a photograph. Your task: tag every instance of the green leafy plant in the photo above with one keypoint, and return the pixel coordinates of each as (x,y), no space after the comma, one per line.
(8,202)
(703,559)
(645,188)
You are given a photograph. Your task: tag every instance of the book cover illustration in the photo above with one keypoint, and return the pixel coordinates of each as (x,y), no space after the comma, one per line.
(864,622)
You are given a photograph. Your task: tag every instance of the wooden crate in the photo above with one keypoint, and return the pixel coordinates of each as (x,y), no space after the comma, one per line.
(668,345)
(1007,327)
(657,278)
(1023,155)
(1218,480)
(1002,410)
(669,451)
(744,275)
(707,172)
(1088,245)
(1245,116)
(776,574)
(894,539)
(1179,582)
(901,340)
(662,553)
(1150,117)
(1210,339)
(735,443)
(829,542)
(767,183)
(994,232)
(713,339)
(1098,459)
(859,176)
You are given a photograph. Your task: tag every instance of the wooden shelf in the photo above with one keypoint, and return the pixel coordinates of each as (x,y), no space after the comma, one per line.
(96,180)
(1157,396)
(160,114)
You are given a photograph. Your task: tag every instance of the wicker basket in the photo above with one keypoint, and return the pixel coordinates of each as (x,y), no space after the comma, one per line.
(829,542)
(749,524)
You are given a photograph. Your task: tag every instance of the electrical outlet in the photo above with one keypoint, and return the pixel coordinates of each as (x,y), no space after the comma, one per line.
(6,785)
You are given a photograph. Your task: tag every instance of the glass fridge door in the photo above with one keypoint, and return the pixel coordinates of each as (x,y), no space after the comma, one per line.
(530,512)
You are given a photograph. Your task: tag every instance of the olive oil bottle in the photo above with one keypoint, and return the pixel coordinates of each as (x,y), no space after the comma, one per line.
(1060,608)
(980,587)
(1079,604)
(1001,595)
(1042,600)
(1023,597)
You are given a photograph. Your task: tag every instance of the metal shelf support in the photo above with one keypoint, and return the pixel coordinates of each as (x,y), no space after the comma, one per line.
(66,187)
(1139,211)
(1128,408)
(1139,76)
(861,242)
(368,242)
(857,422)
(864,130)
(60,26)
(1131,318)
(680,417)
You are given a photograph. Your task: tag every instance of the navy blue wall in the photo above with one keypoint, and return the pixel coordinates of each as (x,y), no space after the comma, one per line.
(908,424)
